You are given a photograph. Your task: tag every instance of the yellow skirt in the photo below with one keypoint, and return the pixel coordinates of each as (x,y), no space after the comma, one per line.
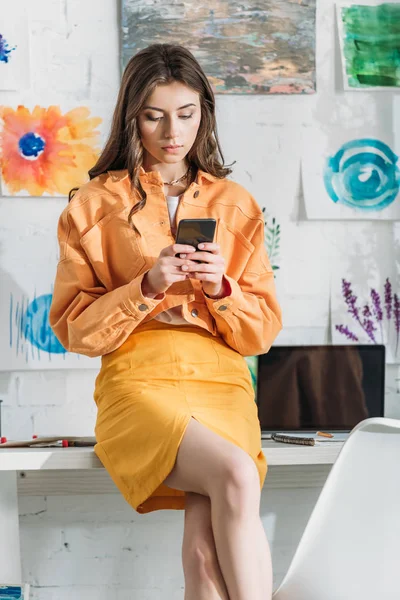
(146,393)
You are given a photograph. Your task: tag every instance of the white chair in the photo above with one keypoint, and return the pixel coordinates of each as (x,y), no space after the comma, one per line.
(350,549)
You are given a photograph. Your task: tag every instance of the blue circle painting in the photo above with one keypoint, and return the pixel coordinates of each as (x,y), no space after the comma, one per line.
(363,174)
(31,146)
(35,326)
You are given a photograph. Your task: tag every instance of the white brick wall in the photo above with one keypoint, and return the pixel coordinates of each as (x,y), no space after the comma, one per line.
(96,547)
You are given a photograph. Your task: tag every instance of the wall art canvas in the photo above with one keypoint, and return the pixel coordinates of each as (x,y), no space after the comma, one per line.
(272,238)
(350,174)
(44,151)
(28,262)
(14,53)
(369,35)
(244,47)
(14,592)
(365,292)
(396,235)
(252,363)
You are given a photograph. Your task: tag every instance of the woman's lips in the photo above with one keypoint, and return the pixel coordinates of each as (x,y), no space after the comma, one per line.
(172,149)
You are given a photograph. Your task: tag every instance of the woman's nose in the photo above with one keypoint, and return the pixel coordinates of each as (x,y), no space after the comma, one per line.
(172,129)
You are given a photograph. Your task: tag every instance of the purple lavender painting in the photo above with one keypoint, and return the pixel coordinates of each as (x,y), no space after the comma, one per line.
(372,318)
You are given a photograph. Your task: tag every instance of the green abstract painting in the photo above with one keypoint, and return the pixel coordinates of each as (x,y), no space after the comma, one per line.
(370,43)
(252,363)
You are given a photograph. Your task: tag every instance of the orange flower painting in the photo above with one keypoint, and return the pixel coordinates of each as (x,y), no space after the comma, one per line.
(46,152)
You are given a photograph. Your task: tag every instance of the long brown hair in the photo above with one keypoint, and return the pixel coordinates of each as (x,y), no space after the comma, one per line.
(159,64)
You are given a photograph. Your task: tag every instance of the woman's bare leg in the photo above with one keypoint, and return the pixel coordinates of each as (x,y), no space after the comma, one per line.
(203,577)
(209,465)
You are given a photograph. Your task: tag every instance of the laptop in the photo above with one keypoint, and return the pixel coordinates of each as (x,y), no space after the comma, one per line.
(329,388)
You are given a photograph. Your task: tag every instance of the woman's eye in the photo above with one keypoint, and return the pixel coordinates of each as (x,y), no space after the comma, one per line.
(186,116)
(153,118)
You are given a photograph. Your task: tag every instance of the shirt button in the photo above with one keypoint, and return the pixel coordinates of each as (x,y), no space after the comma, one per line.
(143,307)
(195,312)
(196,194)
(222,307)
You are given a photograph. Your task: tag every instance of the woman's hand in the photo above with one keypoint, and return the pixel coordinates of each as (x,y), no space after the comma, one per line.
(167,270)
(210,271)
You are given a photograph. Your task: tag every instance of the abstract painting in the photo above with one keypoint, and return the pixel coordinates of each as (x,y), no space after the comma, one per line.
(45,151)
(5,50)
(252,363)
(31,341)
(14,592)
(363,174)
(350,178)
(14,53)
(244,47)
(28,264)
(369,34)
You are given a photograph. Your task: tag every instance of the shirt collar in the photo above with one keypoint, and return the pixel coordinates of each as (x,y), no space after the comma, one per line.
(155,177)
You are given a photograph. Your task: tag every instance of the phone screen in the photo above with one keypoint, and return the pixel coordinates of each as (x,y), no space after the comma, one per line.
(195,231)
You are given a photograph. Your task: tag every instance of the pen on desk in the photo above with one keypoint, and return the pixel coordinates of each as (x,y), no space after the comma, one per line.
(324,434)
(81,443)
(56,444)
(291,439)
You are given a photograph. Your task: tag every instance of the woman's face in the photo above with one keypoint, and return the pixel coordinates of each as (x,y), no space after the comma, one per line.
(169,122)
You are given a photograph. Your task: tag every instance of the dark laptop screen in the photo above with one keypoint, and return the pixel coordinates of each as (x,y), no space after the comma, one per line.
(320,387)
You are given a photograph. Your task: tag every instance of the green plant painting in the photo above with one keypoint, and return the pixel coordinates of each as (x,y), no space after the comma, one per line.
(272,235)
(272,239)
(370,43)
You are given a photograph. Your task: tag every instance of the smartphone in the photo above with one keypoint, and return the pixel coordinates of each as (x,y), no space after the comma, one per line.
(195,231)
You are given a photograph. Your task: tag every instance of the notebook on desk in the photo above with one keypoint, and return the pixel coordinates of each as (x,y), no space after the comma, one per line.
(305,389)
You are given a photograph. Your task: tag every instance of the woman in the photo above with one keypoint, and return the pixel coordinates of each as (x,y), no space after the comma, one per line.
(177,425)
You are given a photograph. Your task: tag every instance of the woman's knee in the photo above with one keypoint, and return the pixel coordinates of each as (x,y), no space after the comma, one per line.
(239,485)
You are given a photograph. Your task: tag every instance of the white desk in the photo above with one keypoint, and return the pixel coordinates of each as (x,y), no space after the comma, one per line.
(62,471)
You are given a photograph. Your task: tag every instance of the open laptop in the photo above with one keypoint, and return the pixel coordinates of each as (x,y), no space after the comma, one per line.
(305,389)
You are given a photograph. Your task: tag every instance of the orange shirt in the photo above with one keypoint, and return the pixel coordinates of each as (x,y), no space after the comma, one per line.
(97,299)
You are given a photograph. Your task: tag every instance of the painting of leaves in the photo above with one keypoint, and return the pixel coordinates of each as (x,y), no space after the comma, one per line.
(272,239)
(245,47)
(272,233)
(370,42)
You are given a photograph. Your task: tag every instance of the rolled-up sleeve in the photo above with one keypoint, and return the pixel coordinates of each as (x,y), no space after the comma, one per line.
(84,316)
(249,318)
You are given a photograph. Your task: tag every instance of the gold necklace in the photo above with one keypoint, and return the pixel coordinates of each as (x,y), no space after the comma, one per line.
(175,181)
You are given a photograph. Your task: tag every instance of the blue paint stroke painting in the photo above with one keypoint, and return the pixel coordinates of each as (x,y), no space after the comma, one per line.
(30,331)
(363,174)
(5,50)
(14,592)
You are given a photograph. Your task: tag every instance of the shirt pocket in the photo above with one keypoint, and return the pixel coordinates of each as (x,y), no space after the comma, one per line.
(235,248)
(114,250)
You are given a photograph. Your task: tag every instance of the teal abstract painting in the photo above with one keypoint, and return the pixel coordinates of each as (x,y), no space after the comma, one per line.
(370,44)
(14,592)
